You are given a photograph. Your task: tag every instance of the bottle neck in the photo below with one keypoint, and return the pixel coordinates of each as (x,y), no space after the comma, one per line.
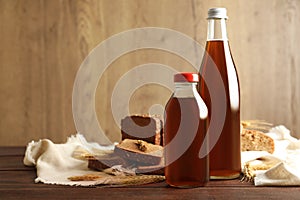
(185,89)
(217,29)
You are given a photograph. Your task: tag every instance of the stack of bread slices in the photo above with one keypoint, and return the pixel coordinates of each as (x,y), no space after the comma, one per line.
(140,148)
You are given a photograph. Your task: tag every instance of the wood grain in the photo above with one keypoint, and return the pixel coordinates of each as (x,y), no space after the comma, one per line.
(17,182)
(43,43)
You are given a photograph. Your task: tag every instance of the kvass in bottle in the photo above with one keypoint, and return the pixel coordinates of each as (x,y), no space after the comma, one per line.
(185,129)
(219,88)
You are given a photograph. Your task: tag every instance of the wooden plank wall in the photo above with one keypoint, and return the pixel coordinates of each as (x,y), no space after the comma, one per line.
(44,42)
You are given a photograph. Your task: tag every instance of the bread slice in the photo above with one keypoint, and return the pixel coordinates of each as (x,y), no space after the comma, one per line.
(139,152)
(105,161)
(252,140)
(143,127)
(151,170)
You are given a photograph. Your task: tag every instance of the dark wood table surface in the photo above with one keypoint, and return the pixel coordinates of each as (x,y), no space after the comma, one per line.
(17,182)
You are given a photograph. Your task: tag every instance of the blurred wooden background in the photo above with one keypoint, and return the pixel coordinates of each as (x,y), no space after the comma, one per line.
(44,42)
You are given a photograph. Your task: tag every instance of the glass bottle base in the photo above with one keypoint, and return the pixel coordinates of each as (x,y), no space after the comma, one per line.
(224,174)
(186,184)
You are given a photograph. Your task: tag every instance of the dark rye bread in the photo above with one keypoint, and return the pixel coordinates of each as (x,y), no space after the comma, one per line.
(133,153)
(150,170)
(141,168)
(143,127)
(103,162)
(129,149)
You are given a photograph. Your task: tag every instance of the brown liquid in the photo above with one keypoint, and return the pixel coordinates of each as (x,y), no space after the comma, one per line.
(188,170)
(224,158)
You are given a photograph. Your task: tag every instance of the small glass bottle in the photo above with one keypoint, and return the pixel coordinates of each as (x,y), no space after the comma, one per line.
(219,88)
(185,129)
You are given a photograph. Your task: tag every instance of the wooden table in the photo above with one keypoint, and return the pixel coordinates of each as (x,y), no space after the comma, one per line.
(17,182)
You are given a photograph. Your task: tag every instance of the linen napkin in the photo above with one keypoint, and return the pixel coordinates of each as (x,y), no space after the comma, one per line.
(283,165)
(56,163)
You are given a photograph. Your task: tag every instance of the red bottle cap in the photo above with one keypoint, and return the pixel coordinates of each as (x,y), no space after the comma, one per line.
(186,77)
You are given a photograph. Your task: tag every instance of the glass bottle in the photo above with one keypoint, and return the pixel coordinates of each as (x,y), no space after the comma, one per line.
(219,88)
(185,129)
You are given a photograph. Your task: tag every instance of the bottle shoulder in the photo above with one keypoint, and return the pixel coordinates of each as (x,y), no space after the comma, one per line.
(192,101)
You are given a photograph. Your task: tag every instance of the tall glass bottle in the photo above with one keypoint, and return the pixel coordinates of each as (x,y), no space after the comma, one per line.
(185,129)
(219,88)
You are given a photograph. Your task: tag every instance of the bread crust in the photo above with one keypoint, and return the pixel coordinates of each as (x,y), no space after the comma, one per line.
(148,128)
(129,149)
